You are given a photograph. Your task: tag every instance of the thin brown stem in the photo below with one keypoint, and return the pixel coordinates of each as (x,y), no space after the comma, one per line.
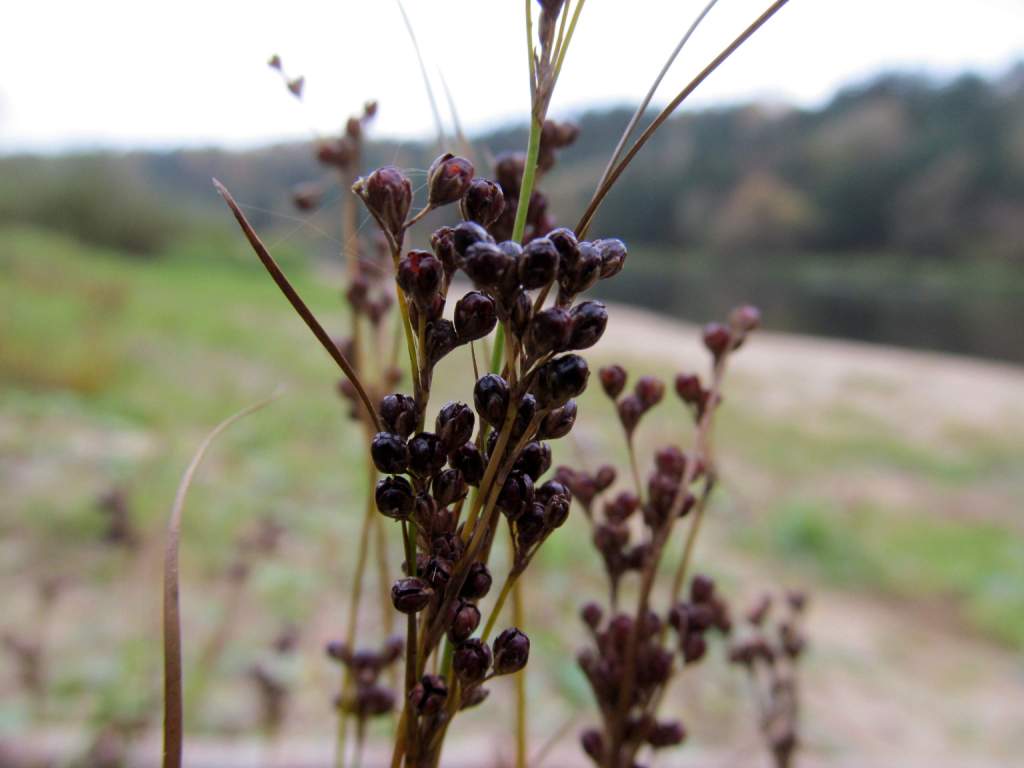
(297,303)
(605,187)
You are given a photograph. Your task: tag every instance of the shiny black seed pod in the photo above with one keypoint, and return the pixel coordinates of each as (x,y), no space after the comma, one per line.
(411,595)
(398,414)
(421,275)
(454,424)
(442,242)
(389,453)
(387,193)
(550,331)
(516,494)
(464,622)
(565,243)
(483,202)
(478,582)
(441,338)
(579,274)
(449,487)
(559,422)
(511,651)
(437,572)
(589,319)
(613,256)
(561,379)
(426,454)
(394,497)
(486,264)
(475,316)
(466,234)
(468,460)
(448,179)
(534,460)
(538,263)
(524,415)
(490,396)
(520,312)
(471,661)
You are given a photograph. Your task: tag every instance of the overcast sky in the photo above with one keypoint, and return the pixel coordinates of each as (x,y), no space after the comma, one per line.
(137,73)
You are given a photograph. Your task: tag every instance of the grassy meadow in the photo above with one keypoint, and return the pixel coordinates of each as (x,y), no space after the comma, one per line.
(868,476)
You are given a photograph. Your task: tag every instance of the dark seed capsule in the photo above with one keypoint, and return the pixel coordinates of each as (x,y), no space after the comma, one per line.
(437,572)
(613,256)
(441,338)
(483,202)
(465,622)
(694,648)
(576,276)
(550,331)
(666,734)
(649,391)
(556,511)
(619,509)
(561,379)
(511,651)
(469,462)
(426,454)
(530,527)
(688,388)
(604,477)
(535,460)
(520,312)
(592,742)
(717,339)
(490,396)
(559,422)
(475,316)
(448,179)
(454,424)
(478,582)
(538,264)
(589,320)
(442,241)
(516,494)
(524,415)
(466,234)
(374,700)
(702,588)
(508,170)
(410,595)
(486,264)
(745,319)
(565,243)
(613,380)
(429,695)
(449,487)
(471,661)
(630,410)
(394,497)
(389,453)
(387,193)
(398,414)
(421,276)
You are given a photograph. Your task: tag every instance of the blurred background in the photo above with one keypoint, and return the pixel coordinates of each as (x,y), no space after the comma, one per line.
(857,172)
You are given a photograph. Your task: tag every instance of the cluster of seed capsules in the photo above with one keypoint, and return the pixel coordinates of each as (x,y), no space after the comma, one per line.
(631,659)
(770,652)
(652,662)
(498,445)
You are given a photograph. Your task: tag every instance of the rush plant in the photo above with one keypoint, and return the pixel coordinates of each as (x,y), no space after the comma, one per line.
(450,478)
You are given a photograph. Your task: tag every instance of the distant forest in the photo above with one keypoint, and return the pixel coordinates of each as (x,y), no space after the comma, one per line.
(900,164)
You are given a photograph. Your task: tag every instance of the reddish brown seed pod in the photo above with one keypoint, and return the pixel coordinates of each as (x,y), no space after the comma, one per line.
(387,193)
(717,339)
(483,202)
(448,179)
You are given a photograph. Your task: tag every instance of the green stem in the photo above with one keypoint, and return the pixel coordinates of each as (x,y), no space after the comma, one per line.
(506,590)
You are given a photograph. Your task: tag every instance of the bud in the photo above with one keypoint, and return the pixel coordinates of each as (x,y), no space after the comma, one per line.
(448,179)
(688,388)
(613,380)
(398,414)
(394,497)
(410,595)
(475,316)
(389,453)
(649,391)
(483,202)
(589,319)
(511,651)
(387,193)
(604,477)
(471,661)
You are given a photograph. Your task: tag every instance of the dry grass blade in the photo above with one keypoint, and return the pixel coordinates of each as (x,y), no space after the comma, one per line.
(617,153)
(297,303)
(442,140)
(666,113)
(173,709)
